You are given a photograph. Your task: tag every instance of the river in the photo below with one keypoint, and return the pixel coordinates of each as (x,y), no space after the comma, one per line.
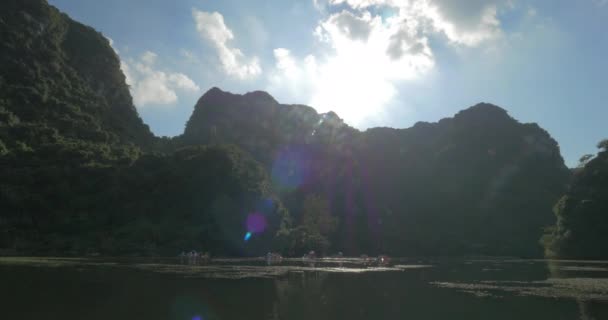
(251,289)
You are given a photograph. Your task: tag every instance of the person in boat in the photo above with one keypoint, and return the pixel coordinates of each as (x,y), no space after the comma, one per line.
(366,259)
(203,258)
(310,255)
(273,256)
(192,257)
(384,260)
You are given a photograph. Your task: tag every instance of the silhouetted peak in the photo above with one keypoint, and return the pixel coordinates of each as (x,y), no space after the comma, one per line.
(217,96)
(214,90)
(483,112)
(331,116)
(484,108)
(423,124)
(260,97)
(212,94)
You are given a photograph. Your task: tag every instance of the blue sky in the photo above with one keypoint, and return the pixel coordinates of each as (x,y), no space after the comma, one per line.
(374,62)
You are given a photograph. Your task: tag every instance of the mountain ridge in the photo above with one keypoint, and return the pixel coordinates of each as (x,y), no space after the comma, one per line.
(83,173)
(481,143)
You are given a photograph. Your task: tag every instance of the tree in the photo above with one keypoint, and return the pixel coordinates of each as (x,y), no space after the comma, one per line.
(317,224)
(603,145)
(584,160)
(581,229)
(316,215)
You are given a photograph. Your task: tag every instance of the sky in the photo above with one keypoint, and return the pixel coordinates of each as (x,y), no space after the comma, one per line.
(374,62)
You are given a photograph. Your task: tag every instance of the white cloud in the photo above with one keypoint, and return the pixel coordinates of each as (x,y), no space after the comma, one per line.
(463,22)
(368,56)
(183,82)
(211,27)
(352,26)
(373,46)
(150,86)
(469,22)
(149,58)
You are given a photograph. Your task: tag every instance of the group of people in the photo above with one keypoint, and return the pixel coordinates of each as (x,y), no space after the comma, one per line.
(194,257)
(272,257)
(311,255)
(382,260)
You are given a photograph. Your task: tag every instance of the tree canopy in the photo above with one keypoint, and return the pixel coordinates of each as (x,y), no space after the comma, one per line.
(581,230)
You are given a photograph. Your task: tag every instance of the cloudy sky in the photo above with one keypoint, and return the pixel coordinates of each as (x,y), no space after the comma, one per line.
(374,62)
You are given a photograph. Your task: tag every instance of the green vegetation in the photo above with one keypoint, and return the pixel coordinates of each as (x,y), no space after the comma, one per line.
(316,225)
(581,231)
(478,183)
(81,172)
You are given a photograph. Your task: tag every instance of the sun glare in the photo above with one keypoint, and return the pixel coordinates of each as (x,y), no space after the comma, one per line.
(358,74)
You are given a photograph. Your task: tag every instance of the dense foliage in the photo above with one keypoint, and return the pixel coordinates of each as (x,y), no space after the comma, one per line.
(82,173)
(581,230)
(79,169)
(478,183)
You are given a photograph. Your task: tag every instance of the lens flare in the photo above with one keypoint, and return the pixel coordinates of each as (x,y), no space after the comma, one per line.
(291,167)
(265,206)
(247,236)
(256,223)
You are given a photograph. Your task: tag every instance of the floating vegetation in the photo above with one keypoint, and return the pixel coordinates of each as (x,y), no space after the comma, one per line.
(412,266)
(225,270)
(580,268)
(569,288)
(52,262)
(242,271)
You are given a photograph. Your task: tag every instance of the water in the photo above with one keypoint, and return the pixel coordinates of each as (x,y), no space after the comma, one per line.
(34,288)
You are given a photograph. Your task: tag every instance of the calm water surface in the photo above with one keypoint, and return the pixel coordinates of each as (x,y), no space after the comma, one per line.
(55,288)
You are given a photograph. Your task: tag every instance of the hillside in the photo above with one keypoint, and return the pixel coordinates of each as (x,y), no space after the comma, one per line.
(81,172)
(479,182)
(78,165)
(581,230)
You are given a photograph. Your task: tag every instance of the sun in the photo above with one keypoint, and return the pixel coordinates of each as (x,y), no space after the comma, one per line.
(356,77)
(354,95)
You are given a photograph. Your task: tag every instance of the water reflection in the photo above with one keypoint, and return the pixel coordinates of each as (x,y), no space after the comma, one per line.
(589,310)
(300,296)
(194,258)
(116,291)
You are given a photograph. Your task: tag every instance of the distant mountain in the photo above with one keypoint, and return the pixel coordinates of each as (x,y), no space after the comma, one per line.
(259,124)
(81,172)
(480,182)
(60,74)
(581,231)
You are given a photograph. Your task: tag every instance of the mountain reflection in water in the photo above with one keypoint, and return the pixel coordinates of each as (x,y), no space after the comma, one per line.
(36,288)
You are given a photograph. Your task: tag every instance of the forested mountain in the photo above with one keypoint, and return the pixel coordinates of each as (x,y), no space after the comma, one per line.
(57,73)
(82,173)
(581,230)
(79,173)
(480,182)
